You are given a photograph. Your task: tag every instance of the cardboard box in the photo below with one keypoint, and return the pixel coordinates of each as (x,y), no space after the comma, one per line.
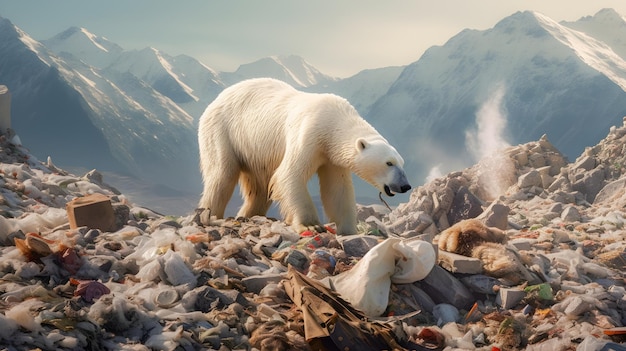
(94,211)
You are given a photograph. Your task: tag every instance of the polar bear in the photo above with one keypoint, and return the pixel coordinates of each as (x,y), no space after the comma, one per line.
(272,138)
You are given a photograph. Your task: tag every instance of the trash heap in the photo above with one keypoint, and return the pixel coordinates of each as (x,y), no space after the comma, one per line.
(523,251)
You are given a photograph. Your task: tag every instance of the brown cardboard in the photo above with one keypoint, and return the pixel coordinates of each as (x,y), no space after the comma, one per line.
(93,211)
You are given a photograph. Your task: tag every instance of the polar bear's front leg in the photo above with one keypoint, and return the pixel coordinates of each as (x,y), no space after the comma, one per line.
(288,188)
(338,197)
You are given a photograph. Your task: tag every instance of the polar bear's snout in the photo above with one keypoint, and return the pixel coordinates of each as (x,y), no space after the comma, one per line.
(399,184)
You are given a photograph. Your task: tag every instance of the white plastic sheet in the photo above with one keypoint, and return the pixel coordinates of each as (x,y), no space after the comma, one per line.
(366,286)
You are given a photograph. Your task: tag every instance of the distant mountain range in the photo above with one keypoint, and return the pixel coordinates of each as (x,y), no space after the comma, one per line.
(537,76)
(89,103)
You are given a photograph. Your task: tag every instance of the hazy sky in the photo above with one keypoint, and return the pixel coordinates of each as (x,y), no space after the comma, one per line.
(339,37)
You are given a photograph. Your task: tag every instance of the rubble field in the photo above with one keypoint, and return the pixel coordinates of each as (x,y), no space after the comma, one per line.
(522,251)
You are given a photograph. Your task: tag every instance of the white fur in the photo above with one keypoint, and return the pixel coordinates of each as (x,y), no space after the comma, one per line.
(273,139)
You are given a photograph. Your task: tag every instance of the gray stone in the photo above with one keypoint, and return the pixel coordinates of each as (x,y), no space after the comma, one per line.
(556,162)
(442,200)
(443,287)
(417,221)
(557,207)
(456,263)
(480,283)
(358,245)
(256,283)
(376,226)
(465,206)
(364,212)
(570,214)
(496,215)
(530,179)
(536,160)
(610,190)
(521,158)
(585,162)
(590,184)
(560,183)
(522,243)
(562,197)
(510,297)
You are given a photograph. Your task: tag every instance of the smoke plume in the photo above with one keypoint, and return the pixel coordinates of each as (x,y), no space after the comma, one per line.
(489,134)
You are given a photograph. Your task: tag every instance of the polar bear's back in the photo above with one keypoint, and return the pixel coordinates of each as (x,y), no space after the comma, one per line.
(244,117)
(252,119)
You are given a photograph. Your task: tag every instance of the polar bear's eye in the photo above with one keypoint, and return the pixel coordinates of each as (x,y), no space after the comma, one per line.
(389,163)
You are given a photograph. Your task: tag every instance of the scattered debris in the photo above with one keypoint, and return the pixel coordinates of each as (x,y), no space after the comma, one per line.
(521,251)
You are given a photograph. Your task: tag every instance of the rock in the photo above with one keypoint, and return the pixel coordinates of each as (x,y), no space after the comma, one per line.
(464,206)
(522,243)
(536,160)
(570,214)
(297,259)
(364,212)
(614,189)
(585,163)
(508,298)
(496,215)
(590,184)
(455,263)
(376,226)
(530,179)
(256,283)
(416,221)
(443,287)
(481,284)
(358,245)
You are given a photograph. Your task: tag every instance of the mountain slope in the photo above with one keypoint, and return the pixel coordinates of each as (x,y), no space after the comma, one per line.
(183,79)
(291,69)
(607,26)
(93,50)
(65,107)
(530,73)
(49,114)
(362,89)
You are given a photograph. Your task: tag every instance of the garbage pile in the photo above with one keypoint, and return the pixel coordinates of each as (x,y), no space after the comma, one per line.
(523,251)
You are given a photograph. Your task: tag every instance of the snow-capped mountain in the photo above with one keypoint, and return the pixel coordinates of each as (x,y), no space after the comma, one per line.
(93,50)
(187,82)
(290,68)
(607,25)
(183,79)
(527,76)
(362,89)
(88,102)
(69,110)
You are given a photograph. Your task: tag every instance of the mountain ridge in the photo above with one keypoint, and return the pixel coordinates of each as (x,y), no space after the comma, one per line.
(547,89)
(139,107)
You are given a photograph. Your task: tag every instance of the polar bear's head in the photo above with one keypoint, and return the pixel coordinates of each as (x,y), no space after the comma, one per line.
(379,164)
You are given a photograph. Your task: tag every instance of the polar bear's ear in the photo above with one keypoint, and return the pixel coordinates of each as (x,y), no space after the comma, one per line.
(361,144)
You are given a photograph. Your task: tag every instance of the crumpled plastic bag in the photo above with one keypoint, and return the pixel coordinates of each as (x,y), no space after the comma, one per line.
(366,286)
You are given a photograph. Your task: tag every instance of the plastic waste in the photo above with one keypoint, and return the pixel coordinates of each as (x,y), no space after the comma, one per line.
(445,313)
(366,286)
